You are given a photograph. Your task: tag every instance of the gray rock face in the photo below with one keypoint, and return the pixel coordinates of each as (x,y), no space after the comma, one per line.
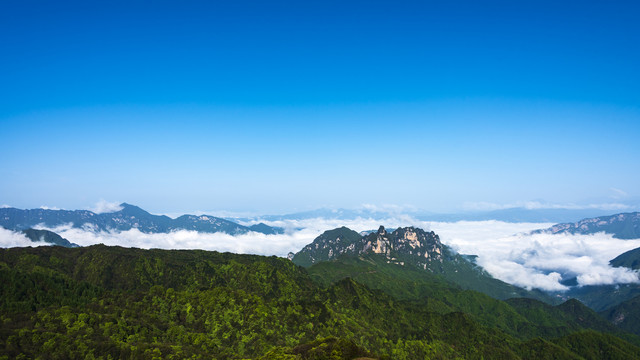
(404,245)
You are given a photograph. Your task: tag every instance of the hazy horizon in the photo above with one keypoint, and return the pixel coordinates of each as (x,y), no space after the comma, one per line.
(366,210)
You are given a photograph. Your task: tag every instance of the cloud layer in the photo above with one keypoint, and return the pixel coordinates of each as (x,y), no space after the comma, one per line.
(505,250)
(539,260)
(10,238)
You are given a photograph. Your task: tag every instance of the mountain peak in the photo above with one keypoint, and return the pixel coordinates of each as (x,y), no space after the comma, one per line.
(404,245)
(125,205)
(132,209)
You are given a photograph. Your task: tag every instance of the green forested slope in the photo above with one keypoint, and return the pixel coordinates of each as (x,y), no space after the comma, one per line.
(523,318)
(625,315)
(112,302)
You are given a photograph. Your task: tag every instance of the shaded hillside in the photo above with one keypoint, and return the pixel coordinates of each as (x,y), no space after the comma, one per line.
(629,259)
(524,318)
(625,315)
(49,237)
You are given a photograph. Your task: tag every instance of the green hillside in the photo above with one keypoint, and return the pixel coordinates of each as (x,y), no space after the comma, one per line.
(112,302)
(419,251)
(524,318)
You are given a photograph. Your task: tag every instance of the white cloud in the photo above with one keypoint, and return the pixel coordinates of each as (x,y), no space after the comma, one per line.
(250,243)
(618,194)
(510,253)
(10,238)
(298,233)
(45,207)
(506,250)
(5,206)
(104,206)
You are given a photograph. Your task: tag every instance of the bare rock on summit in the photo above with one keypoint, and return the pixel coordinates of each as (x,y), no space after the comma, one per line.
(403,245)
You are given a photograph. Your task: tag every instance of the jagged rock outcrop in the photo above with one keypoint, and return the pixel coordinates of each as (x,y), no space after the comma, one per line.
(403,245)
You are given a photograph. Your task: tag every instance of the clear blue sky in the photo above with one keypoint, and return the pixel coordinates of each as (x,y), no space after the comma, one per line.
(282,106)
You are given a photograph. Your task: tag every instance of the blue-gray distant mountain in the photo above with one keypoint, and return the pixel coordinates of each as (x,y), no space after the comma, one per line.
(324,213)
(49,237)
(129,217)
(621,226)
(266,229)
(516,214)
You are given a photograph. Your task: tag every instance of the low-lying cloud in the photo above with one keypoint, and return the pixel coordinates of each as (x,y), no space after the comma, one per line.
(10,238)
(104,206)
(506,250)
(539,260)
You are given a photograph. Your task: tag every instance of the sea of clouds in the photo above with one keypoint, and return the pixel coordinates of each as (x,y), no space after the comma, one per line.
(506,250)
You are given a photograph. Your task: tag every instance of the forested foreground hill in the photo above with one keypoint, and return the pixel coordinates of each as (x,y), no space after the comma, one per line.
(113,302)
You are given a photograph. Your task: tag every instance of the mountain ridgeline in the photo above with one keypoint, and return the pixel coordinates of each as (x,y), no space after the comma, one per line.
(48,237)
(408,247)
(621,226)
(127,218)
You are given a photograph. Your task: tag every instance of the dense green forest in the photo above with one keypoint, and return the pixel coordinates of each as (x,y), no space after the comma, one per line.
(112,302)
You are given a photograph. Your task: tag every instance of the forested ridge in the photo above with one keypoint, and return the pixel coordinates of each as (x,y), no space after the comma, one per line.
(113,302)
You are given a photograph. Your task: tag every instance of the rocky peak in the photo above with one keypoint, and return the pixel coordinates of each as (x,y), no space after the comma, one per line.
(404,245)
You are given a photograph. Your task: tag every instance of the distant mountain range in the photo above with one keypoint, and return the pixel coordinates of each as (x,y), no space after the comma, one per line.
(127,218)
(516,214)
(519,214)
(621,226)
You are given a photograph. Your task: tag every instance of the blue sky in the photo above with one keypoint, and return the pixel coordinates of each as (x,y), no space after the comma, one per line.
(282,106)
